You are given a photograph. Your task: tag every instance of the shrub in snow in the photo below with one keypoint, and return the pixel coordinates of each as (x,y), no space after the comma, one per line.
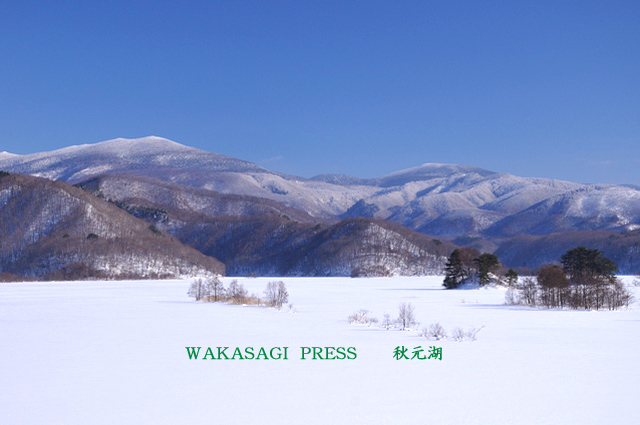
(252,299)
(434,332)
(472,332)
(457,334)
(362,317)
(387,321)
(460,335)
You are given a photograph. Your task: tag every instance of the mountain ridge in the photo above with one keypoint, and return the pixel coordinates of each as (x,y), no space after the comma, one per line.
(257,235)
(53,230)
(448,201)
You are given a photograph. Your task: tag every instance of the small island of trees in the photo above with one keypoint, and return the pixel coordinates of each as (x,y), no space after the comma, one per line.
(583,279)
(213,290)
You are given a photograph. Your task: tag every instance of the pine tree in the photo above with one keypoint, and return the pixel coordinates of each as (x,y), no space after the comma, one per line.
(586,266)
(454,272)
(512,277)
(487,263)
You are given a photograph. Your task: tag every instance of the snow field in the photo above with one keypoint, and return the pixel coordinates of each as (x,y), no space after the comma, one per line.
(114,352)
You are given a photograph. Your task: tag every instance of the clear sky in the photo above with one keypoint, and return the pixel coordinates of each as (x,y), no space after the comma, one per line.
(532,88)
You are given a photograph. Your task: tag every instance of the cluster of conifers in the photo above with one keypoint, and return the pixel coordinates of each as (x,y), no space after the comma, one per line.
(582,279)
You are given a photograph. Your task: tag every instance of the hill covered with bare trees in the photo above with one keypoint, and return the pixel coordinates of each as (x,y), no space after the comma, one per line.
(256,235)
(52,230)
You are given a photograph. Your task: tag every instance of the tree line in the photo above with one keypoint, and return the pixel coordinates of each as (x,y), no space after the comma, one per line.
(467,265)
(584,280)
(212,290)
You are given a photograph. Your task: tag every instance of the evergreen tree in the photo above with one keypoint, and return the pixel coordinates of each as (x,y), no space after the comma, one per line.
(454,272)
(487,263)
(588,266)
(512,277)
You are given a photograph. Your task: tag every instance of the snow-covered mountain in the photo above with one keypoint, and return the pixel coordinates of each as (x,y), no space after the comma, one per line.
(257,235)
(438,199)
(53,230)
(592,207)
(167,160)
(138,194)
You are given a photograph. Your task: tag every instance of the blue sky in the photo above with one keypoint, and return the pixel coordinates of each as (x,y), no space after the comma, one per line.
(545,89)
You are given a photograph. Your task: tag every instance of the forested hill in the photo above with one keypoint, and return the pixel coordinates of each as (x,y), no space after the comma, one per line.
(257,235)
(52,230)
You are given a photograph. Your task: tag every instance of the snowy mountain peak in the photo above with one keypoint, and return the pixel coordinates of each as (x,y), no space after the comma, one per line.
(430,171)
(7,155)
(151,155)
(150,144)
(433,169)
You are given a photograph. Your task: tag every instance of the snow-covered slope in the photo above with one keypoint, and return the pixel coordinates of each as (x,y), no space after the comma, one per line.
(164,159)
(593,207)
(440,199)
(145,155)
(127,190)
(54,230)
(256,235)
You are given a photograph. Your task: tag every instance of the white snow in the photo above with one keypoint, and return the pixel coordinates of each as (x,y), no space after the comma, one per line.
(7,155)
(114,353)
(416,197)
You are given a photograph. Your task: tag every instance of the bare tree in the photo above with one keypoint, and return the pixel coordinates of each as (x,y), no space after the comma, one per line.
(529,291)
(236,292)
(469,265)
(553,284)
(387,323)
(276,294)
(215,288)
(198,289)
(406,318)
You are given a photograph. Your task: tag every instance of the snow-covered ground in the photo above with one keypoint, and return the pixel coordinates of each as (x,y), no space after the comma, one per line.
(114,353)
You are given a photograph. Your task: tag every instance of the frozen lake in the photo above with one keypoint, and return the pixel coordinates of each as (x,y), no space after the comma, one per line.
(114,353)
